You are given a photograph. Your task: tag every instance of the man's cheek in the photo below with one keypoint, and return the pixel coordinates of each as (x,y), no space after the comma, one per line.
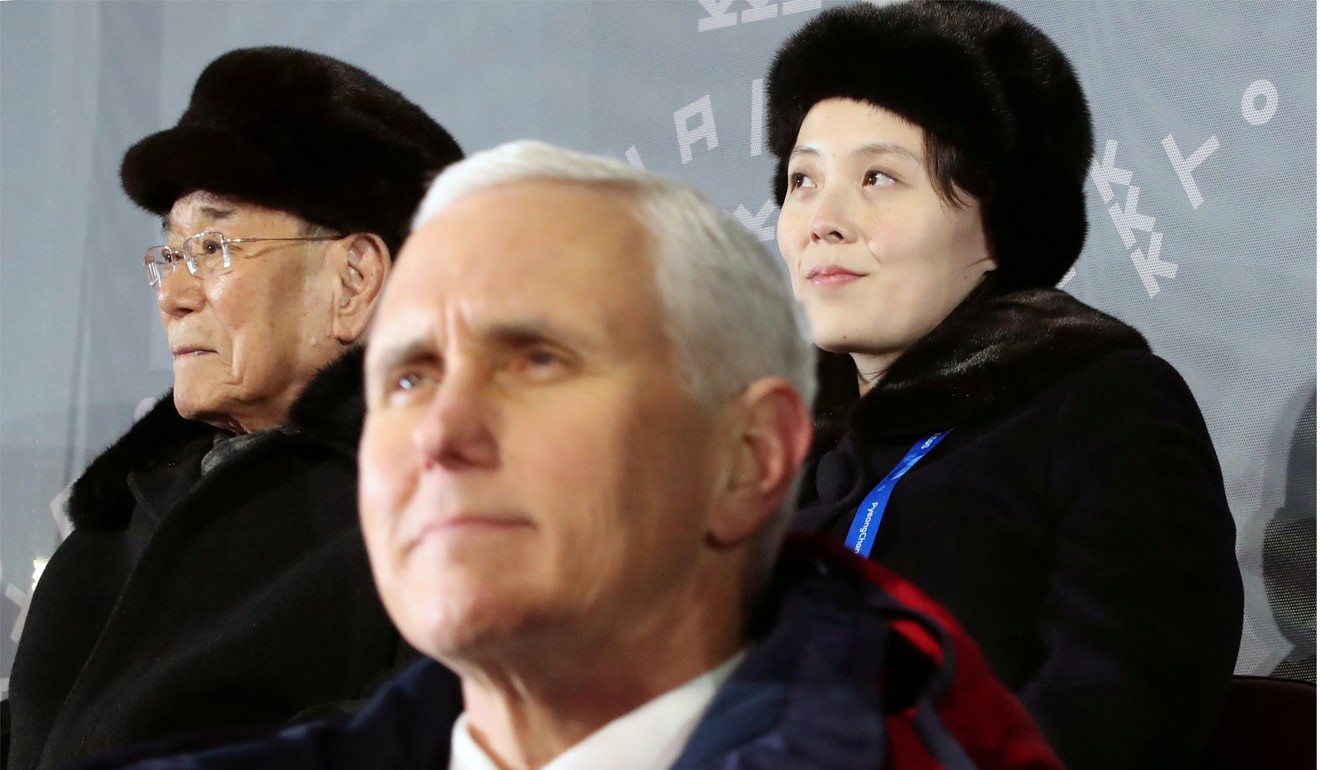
(379,490)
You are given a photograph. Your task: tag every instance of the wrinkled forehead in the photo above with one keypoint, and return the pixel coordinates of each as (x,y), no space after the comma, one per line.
(574,255)
(201,209)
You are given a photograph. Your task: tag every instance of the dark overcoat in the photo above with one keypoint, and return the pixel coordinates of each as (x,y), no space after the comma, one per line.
(186,602)
(852,669)
(1074,519)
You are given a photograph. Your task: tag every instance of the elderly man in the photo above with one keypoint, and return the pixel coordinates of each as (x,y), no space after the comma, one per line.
(586,409)
(216,576)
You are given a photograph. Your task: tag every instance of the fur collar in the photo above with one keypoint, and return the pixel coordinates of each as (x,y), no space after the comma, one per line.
(991,353)
(330,411)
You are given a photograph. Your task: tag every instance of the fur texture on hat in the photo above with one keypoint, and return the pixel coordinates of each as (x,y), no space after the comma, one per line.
(299,132)
(976,76)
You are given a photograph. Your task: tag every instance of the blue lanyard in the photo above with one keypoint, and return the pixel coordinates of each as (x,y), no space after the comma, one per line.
(861,535)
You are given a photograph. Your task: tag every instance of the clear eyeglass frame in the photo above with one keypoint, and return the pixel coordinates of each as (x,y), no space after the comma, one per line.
(206,254)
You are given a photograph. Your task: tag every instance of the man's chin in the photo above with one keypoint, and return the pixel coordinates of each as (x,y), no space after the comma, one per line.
(202,407)
(196,386)
(474,631)
(192,407)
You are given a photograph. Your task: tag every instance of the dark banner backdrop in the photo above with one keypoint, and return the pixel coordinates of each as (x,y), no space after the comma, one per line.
(1202,202)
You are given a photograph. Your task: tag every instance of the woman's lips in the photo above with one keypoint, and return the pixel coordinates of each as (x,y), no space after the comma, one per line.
(831,275)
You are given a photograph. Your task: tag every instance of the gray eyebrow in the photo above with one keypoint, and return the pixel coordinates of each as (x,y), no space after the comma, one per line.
(383,356)
(214,212)
(511,333)
(532,330)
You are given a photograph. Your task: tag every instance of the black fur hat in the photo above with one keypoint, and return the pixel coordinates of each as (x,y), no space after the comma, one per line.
(976,76)
(299,132)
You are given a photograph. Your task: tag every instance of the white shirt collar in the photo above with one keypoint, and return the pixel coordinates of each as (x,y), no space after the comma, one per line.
(650,737)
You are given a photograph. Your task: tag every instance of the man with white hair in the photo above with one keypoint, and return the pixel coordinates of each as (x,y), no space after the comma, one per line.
(587,407)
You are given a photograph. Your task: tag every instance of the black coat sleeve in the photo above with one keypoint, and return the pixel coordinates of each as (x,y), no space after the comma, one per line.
(1143,614)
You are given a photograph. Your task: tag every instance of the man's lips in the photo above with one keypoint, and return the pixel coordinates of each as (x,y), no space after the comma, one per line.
(468,522)
(831,275)
(188,350)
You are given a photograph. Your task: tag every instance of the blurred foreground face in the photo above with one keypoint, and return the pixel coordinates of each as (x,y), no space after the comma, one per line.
(532,467)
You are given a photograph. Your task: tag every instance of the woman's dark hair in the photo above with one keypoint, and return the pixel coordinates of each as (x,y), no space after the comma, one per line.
(954,176)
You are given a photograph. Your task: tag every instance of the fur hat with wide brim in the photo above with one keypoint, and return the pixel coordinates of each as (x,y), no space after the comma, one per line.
(299,132)
(979,78)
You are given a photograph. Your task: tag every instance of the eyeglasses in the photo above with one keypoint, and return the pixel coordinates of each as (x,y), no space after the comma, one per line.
(206,254)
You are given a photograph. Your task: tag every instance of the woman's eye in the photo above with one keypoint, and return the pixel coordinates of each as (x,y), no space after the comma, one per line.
(877,179)
(797,180)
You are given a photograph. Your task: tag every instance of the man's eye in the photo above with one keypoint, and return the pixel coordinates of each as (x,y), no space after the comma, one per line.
(543,358)
(408,381)
(205,246)
(405,384)
(541,364)
(405,388)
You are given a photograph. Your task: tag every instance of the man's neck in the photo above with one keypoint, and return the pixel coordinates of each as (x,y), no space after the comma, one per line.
(526,711)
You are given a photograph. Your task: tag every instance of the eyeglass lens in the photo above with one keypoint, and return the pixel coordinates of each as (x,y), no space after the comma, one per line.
(206,254)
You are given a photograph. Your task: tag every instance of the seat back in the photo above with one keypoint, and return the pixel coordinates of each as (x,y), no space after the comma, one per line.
(1265,723)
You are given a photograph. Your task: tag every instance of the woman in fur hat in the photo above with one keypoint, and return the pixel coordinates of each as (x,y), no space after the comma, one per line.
(1021,456)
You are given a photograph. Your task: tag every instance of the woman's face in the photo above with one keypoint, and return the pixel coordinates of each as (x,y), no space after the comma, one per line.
(876,257)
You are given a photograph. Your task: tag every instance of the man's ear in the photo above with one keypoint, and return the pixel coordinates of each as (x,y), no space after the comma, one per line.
(361,277)
(772,433)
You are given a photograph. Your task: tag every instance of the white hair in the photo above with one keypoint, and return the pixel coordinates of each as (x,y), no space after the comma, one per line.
(730,312)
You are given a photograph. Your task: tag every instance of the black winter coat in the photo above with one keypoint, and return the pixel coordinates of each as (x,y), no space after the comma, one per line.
(184,602)
(852,670)
(1074,519)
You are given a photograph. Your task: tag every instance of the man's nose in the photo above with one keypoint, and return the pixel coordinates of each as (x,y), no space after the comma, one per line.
(456,430)
(179,292)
